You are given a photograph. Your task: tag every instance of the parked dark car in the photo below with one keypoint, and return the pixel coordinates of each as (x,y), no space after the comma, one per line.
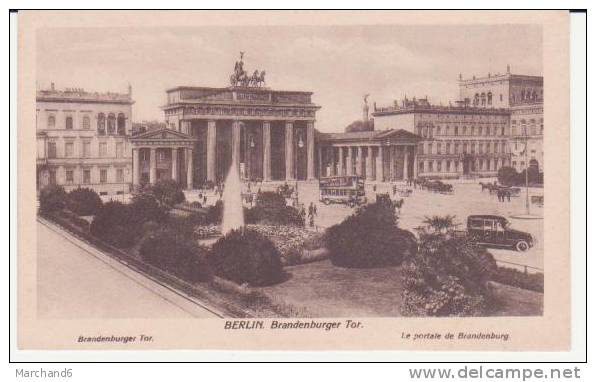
(495,231)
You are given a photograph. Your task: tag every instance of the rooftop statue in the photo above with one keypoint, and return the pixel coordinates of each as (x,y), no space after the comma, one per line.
(241,78)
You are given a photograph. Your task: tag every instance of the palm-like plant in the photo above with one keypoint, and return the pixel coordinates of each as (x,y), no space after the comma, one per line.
(440,224)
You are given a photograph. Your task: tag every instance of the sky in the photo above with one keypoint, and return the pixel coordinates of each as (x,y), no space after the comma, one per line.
(339,64)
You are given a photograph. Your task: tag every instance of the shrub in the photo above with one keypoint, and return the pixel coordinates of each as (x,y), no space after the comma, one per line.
(173,252)
(214,213)
(369,238)
(513,277)
(84,201)
(167,192)
(270,199)
(507,176)
(246,257)
(145,207)
(113,224)
(448,276)
(52,198)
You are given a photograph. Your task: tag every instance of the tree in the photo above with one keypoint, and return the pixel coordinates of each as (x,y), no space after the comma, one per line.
(167,192)
(52,198)
(449,275)
(507,176)
(84,201)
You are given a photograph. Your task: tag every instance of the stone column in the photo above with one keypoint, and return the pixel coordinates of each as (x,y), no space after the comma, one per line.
(152,165)
(189,170)
(379,175)
(135,166)
(211,143)
(406,158)
(369,163)
(236,144)
(340,163)
(310,150)
(391,163)
(289,151)
(349,162)
(359,166)
(266,151)
(185,127)
(415,166)
(320,158)
(175,164)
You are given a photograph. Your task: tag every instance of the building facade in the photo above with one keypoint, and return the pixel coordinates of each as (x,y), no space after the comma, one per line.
(456,141)
(82,140)
(269,135)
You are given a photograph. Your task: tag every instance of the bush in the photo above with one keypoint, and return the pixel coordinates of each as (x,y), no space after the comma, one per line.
(246,257)
(513,277)
(369,238)
(84,201)
(167,192)
(114,224)
(173,252)
(448,276)
(270,199)
(52,198)
(507,176)
(214,213)
(145,207)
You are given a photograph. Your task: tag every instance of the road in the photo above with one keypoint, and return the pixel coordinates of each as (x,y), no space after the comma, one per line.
(77,281)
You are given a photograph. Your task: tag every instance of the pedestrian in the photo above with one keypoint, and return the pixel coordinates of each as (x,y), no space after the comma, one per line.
(314,209)
(312,221)
(204,200)
(394,190)
(310,210)
(508,196)
(375,188)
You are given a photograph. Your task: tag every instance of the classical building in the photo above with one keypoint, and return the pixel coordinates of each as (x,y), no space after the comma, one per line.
(455,140)
(82,139)
(268,134)
(523,96)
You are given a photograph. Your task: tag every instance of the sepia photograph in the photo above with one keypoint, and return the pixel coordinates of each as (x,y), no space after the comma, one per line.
(294,176)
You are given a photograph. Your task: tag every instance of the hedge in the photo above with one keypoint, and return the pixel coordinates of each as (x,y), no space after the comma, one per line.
(84,201)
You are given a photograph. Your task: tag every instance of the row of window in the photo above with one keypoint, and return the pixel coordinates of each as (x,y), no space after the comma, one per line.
(430,131)
(457,148)
(111,124)
(85,176)
(454,166)
(69,147)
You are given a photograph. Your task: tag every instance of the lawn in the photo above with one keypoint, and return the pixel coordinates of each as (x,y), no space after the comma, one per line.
(325,290)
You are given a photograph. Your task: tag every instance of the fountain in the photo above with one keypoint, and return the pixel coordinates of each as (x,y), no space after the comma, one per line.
(233,214)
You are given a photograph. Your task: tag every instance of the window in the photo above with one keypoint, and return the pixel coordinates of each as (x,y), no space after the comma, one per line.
(430,148)
(119,149)
(120,175)
(431,166)
(103,149)
(448,148)
(514,163)
(86,122)
(51,122)
(86,176)
(456,148)
(86,149)
(69,176)
(68,123)
(501,97)
(455,131)
(111,124)
(101,124)
(465,130)
(121,124)
(439,130)
(465,148)
(473,148)
(51,149)
(439,148)
(448,166)
(489,98)
(68,149)
(103,175)
(52,174)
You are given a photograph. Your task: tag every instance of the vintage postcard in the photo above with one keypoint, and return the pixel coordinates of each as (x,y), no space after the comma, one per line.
(313,180)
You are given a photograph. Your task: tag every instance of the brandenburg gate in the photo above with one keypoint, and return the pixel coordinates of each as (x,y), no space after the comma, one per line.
(269,135)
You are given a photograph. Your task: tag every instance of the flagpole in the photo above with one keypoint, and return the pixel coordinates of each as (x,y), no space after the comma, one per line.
(526,160)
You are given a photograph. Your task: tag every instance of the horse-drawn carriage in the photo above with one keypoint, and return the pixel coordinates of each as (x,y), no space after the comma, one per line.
(495,188)
(436,186)
(404,192)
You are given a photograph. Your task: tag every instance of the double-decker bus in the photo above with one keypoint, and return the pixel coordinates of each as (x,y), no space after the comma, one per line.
(347,190)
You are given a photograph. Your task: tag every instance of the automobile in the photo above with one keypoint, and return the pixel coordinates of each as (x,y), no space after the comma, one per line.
(495,231)
(348,190)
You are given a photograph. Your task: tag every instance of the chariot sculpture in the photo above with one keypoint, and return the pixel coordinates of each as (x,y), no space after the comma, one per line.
(241,78)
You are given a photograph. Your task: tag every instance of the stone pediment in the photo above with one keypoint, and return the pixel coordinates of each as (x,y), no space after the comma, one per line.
(397,135)
(163,135)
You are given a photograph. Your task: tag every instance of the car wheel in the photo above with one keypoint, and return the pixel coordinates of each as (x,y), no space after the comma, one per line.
(522,246)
